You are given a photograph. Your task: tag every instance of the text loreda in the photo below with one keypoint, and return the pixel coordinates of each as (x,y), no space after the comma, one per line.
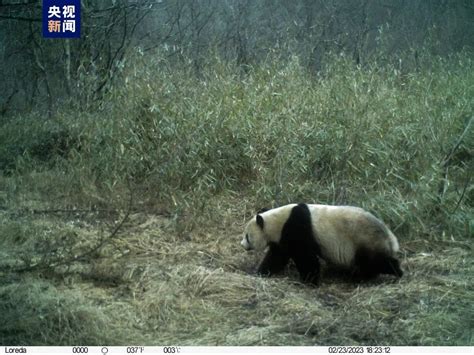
(14,350)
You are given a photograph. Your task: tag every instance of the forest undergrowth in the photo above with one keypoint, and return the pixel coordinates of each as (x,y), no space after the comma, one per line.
(121,220)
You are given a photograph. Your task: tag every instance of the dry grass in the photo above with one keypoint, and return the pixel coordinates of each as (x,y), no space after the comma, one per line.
(154,286)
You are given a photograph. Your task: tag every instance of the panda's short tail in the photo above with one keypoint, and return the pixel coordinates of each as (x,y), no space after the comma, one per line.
(393,242)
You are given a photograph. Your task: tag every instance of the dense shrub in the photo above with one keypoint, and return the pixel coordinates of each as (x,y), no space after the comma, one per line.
(371,136)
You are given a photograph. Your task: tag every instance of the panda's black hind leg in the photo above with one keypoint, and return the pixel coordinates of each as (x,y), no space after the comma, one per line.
(368,264)
(274,261)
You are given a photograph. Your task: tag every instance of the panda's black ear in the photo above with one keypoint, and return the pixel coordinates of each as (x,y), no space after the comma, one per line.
(261,210)
(260,221)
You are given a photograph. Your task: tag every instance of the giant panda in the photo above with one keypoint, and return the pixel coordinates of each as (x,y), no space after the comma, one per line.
(344,236)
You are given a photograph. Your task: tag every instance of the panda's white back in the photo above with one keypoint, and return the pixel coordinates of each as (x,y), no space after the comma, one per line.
(341,230)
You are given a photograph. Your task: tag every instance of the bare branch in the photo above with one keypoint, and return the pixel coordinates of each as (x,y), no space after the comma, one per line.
(60,261)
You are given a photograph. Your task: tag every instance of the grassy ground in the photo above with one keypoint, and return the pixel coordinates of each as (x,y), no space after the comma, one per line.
(151,286)
(200,154)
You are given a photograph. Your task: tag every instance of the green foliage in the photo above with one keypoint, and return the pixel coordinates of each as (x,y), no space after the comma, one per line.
(32,137)
(43,313)
(34,242)
(36,312)
(44,308)
(372,136)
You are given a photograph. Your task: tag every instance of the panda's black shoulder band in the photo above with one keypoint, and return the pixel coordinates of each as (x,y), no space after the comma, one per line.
(260,221)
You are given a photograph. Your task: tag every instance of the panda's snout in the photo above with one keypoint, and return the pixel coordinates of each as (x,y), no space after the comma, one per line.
(245,243)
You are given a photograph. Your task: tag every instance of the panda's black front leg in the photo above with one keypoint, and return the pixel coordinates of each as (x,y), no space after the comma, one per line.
(307,263)
(274,262)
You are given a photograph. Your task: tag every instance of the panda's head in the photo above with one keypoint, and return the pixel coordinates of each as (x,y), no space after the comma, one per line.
(254,236)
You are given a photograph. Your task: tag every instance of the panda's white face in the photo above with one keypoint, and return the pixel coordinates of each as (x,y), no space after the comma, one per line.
(254,237)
